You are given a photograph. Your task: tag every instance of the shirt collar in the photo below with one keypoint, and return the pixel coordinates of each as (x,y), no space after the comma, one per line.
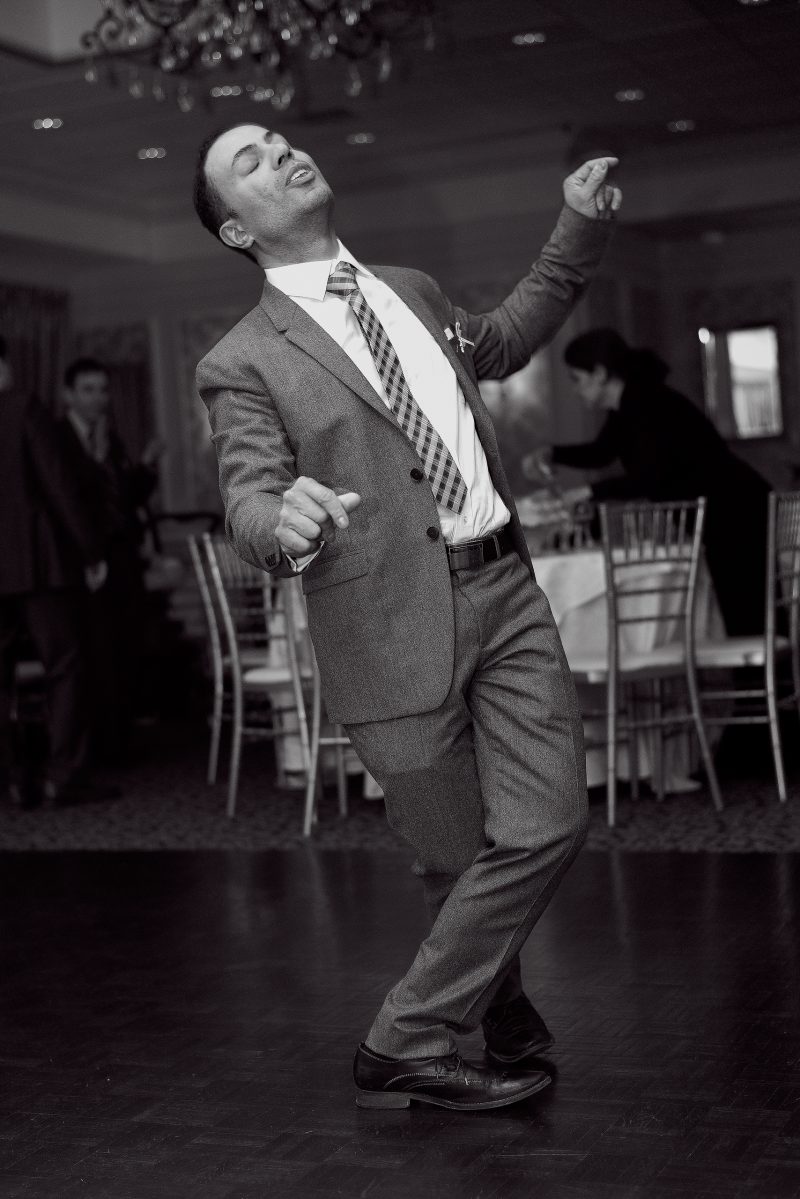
(308,280)
(81,426)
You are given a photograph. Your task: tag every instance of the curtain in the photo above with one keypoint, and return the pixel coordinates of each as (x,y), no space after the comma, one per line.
(35,323)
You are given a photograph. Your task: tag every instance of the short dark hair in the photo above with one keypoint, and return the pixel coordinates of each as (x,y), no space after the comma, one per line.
(208,203)
(606,347)
(83,366)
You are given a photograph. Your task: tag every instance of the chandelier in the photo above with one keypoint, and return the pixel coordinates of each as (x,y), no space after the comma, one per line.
(184,49)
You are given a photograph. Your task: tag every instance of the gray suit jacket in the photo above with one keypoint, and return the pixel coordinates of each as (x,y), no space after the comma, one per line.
(285,400)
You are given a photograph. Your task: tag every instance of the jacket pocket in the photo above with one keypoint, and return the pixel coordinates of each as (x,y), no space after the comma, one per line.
(335,570)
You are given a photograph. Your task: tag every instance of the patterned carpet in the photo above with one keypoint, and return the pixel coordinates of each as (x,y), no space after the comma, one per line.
(166,804)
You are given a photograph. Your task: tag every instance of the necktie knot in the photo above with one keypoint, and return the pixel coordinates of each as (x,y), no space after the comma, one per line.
(342,280)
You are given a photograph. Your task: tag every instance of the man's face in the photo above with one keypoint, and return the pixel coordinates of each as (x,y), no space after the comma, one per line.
(88,397)
(269,189)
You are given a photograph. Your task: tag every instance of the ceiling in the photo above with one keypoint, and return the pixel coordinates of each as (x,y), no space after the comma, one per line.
(477,98)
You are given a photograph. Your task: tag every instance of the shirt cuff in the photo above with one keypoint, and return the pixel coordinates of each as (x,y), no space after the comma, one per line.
(298,565)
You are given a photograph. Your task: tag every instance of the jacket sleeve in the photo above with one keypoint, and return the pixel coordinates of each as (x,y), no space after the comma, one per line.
(256,463)
(56,482)
(506,338)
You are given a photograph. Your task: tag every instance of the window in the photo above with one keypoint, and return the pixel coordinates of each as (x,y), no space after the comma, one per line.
(742,381)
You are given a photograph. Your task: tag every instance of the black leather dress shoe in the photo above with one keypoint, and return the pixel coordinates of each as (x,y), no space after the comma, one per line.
(515,1031)
(385,1082)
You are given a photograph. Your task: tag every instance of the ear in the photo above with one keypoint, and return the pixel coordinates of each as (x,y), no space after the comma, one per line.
(234,235)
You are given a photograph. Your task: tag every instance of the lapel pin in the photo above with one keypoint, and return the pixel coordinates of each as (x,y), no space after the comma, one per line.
(462,341)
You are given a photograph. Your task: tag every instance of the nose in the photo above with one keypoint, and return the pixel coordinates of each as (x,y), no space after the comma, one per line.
(281,152)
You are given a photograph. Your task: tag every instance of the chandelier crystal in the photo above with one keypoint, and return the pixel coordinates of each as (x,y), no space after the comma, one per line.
(182,48)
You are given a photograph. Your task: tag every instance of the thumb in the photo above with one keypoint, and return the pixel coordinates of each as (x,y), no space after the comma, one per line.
(349,500)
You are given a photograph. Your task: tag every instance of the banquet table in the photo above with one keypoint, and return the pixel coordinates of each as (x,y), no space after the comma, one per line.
(575,585)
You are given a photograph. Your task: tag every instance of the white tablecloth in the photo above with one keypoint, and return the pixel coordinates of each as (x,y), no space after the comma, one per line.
(575,585)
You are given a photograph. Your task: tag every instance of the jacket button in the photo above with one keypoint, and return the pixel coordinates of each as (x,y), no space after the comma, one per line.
(417,475)
(433,533)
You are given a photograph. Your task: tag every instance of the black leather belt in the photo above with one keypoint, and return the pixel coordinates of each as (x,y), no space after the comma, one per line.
(475,553)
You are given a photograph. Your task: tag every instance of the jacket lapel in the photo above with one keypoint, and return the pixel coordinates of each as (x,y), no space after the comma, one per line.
(397,279)
(290,319)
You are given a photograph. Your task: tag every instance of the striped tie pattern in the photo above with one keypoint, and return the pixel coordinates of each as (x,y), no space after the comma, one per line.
(440,469)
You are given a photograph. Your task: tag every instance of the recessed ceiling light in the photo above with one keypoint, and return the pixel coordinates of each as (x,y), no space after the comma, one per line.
(360,139)
(628,95)
(152,152)
(684,126)
(529,39)
(48,123)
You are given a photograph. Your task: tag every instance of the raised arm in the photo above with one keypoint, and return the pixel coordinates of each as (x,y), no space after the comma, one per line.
(506,338)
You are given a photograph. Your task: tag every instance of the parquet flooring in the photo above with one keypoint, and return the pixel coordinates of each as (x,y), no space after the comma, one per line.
(181,1026)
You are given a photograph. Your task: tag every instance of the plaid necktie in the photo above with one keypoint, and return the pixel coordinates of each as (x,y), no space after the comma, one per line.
(442,472)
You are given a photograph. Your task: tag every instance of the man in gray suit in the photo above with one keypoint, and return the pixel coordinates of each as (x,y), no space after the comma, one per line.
(354,447)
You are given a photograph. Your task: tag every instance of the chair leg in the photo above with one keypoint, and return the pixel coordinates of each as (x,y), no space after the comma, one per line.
(775,729)
(310,806)
(633,741)
(341,773)
(702,738)
(216,733)
(611,757)
(658,738)
(236,746)
(279,731)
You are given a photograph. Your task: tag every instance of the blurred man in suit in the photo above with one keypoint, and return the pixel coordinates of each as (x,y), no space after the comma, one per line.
(49,552)
(117,491)
(354,447)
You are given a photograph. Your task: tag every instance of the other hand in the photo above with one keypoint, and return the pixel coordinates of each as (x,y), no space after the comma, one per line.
(96,575)
(538,465)
(588,191)
(310,514)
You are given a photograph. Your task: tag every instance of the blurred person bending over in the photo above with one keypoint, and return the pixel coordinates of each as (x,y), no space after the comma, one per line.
(117,491)
(353,446)
(669,450)
(49,551)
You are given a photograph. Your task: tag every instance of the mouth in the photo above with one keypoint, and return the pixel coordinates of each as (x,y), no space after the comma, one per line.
(300,173)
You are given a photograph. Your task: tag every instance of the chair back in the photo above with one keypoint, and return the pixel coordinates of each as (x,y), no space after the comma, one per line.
(783,577)
(241,595)
(211,613)
(651,553)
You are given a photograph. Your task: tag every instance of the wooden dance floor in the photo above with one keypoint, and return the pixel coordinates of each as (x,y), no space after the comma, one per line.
(182,1025)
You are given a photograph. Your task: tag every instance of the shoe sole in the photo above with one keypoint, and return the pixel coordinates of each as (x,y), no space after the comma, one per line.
(400,1099)
(512,1059)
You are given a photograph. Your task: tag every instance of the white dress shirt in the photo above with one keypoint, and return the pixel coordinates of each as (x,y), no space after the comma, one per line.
(429,375)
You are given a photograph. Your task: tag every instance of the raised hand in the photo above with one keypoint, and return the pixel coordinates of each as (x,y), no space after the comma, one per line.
(310,514)
(588,191)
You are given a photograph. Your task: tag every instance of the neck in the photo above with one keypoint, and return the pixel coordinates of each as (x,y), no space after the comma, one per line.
(613,394)
(313,246)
